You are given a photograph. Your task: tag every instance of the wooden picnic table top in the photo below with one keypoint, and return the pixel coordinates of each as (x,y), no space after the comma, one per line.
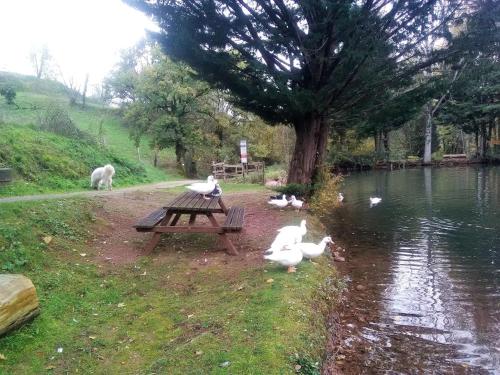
(193,202)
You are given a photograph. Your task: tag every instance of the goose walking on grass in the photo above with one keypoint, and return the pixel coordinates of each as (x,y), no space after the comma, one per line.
(311,250)
(297,203)
(281,203)
(203,188)
(288,258)
(374,201)
(288,235)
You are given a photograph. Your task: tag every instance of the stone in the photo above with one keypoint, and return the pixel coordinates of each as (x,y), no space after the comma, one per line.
(18,302)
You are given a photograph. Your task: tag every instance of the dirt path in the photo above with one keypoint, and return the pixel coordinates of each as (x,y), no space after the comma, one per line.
(94,193)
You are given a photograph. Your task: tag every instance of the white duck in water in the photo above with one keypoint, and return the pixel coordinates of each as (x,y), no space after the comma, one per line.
(340,197)
(311,250)
(203,187)
(289,258)
(297,203)
(281,203)
(374,201)
(288,235)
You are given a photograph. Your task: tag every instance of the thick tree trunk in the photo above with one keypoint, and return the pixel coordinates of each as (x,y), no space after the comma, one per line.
(385,140)
(310,149)
(428,135)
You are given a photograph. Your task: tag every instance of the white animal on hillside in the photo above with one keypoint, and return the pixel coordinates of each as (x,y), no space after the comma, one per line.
(288,235)
(296,203)
(203,187)
(288,257)
(311,250)
(340,197)
(374,201)
(102,176)
(281,203)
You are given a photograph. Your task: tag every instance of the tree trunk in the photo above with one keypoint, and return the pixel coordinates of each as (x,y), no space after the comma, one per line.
(385,140)
(18,301)
(310,149)
(428,135)
(84,92)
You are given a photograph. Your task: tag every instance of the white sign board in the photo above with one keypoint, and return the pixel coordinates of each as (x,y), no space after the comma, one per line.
(243,151)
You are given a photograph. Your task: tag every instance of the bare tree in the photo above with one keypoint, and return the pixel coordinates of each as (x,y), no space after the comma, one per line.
(41,60)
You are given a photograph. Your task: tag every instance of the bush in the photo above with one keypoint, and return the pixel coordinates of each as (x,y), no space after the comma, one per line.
(9,93)
(299,190)
(326,196)
(55,119)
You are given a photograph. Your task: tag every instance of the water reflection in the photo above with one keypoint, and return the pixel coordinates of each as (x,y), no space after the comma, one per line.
(430,254)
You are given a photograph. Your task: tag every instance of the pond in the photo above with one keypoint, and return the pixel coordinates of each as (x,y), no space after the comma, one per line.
(423,269)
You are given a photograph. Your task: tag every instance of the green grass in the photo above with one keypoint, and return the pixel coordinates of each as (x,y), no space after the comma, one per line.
(33,98)
(175,319)
(45,162)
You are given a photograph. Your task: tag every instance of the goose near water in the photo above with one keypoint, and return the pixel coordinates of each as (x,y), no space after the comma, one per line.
(311,250)
(288,235)
(281,203)
(296,203)
(288,258)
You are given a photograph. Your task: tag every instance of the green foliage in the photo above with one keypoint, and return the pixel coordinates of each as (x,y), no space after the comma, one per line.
(48,162)
(299,190)
(325,198)
(56,119)
(9,93)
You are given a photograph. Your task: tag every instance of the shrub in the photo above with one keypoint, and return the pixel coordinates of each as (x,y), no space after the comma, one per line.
(56,119)
(299,190)
(9,93)
(326,195)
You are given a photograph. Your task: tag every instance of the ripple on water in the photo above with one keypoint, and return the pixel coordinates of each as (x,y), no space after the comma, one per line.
(429,253)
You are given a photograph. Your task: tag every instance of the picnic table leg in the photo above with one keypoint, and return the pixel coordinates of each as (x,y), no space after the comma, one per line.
(192,219)
(157,236)
(227,242)
(223,206)
(176,219)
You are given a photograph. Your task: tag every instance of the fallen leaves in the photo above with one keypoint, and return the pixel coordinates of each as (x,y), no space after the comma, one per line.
(2,357)
(269,281)
(47,239)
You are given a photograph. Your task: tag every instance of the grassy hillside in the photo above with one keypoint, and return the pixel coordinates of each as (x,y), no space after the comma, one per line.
(19,122)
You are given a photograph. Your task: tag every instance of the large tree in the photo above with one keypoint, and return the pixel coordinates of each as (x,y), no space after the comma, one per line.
(297,62)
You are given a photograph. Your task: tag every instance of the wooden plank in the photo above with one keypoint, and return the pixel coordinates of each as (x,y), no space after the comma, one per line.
(187,229)
(234,219)
(151,220)
(176,219)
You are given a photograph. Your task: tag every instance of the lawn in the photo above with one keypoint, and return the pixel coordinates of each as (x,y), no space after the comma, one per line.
(181,310)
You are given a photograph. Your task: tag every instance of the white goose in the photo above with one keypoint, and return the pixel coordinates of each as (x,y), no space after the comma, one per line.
(311,250)
(281,203)
(297,203)
(288,235)
(340,197)
(374,201)
(203,187)
(289,258)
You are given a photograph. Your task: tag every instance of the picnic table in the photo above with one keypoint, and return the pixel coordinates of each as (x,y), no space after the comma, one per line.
(166,219)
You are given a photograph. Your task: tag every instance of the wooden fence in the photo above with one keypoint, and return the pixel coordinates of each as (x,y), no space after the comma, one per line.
(225,171)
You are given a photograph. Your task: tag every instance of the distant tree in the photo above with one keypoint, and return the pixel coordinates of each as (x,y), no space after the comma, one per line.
(41,60)
(84,91)
(303,63)
(9,93)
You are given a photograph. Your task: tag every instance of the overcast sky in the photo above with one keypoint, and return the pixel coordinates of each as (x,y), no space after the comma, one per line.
(83,36)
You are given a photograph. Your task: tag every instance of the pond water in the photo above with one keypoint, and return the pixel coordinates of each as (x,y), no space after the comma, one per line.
(423,269)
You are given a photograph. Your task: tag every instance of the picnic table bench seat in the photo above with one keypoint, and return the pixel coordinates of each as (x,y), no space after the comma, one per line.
(150,221)
(234,219)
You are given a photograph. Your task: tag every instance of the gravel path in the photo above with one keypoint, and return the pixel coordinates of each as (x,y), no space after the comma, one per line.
(95,193)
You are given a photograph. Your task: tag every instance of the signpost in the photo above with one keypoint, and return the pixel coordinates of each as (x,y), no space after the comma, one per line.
(243,151)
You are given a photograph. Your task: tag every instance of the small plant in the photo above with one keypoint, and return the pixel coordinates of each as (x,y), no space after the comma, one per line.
(326,195)
(56,119)
(9,93)
(299,190)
